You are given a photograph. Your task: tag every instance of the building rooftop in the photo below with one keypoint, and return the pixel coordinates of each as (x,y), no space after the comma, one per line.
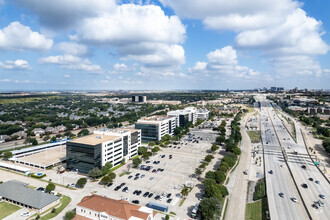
(156,118)
(19,192)
(94,139)
(117,208)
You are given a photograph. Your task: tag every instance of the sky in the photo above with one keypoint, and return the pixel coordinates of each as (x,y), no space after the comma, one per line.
(164,44)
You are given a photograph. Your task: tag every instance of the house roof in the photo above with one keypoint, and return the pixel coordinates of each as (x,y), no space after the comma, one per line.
(117,208)
(19,192)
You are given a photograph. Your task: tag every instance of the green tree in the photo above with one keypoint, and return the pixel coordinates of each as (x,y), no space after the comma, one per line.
(50,187)
(198,171)
(155,149)
(106,168)
(7,154)
(83,132)
(81,182)
(105,180)
(34,142)
(185,191)
(220,177)
(142,150)
(151,143)
(53,139)
(136,162)
(223,190)
(46,138)
(112,176)
(221,139)
(94,173)
(69,215)
(14,137)
(213,190)
(214,148)
(208,207)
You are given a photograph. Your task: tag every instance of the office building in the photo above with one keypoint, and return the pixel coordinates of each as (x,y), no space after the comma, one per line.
(203,114)
(184,116)
(139,98)
(100,207)
(105,145)
(155,127)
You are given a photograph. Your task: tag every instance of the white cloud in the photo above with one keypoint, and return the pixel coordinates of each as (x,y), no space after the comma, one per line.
(72,62)
(223,62)
(19,37)
(67,76)
(72,48)
(15,65)
(61,14)
(5,80)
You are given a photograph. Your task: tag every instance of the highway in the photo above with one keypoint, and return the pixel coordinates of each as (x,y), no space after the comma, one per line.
(280,180)
(301,176)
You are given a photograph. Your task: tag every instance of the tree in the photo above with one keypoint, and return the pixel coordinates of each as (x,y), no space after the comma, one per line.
(223,190)
(112,176)
(15,137)
(50,187)
(105,180)
(69,215)
(214,147)
(213,190)
(83,132)
(94,173)
(53,139)
(185,191)
(166,137)
(167,217)
(142,150)
(198,171)
(208,158)
(106,168)
(326,145)
(7,154)
(136,162)
(34,142)
(155,149)
(220,177)
(151,143)
(208,207)
(221,139)
(46,138)
(81,182)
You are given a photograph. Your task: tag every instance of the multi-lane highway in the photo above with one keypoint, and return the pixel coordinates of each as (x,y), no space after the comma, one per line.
(311,176)
(278,179)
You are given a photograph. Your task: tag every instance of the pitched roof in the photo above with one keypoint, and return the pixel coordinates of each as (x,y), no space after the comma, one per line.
(19,192)
(118,208)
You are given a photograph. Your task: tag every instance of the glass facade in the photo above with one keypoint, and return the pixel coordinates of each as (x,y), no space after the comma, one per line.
(125,145)
(83,157)
(183,120)
(149,132)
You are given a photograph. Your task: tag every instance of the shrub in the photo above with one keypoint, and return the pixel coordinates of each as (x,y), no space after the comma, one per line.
(50,187)
(53,210)
(220,177)
(237,150)
(81,182)
(69,215)
(260,190)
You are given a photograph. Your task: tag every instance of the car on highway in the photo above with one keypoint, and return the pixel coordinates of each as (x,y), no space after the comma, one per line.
(245,172)
(317,182)
(322,196)
(310,179)
(281,194)
(304,185)
(303,166)
(294,199)
(271,172)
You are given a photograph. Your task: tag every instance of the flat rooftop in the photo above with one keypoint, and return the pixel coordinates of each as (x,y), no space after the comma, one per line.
(46,157)
(156,118)
(94,139)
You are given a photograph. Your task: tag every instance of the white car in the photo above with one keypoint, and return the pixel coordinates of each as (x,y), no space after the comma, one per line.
(294,199)
(25,214)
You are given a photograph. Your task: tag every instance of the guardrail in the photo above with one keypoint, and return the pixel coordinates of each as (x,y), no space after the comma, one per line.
(290,171)
(326,178)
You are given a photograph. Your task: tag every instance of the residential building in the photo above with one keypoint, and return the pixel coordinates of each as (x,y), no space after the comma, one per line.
(38,131)
(20,134)
(105,145)
(20,194)
(184,116)
(103,208)
(155,127)
(4,138)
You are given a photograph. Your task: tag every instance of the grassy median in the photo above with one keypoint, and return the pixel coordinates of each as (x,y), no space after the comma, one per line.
(257,210)
(254,136)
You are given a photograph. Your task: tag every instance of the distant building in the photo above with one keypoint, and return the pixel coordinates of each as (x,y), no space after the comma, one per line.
(38,131)
(184,116)
(320,110)
(155,127)
(20,194)
(273,88)
(139,98)
(105,145)
(103,208)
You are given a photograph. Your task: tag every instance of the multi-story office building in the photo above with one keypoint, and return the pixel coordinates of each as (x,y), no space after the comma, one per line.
(139,98)
(203,114)
(155,127)
(184,116)
(105,145)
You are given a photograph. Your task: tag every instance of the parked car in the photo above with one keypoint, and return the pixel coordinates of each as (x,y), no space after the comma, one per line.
(169,201)
(25,214)
(311,179)
(322,196)
(110,184)
(150,195)
(169,195)
(303,166)
(117,188)
(317,182)
(129,177)
(136,201)
(157,197)
(145,194)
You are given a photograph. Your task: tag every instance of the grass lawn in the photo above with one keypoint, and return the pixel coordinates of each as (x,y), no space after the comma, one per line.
(256,210)
(65,201)
(254,136)
(7,209)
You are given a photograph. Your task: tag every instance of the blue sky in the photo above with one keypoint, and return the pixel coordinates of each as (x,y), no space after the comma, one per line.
(163,45)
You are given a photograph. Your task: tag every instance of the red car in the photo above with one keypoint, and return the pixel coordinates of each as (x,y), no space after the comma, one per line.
(62,171)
